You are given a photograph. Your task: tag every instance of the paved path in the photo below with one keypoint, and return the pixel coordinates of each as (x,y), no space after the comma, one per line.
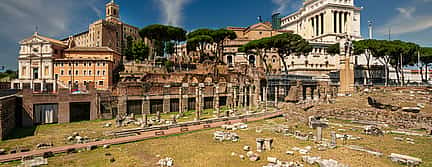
(142,136)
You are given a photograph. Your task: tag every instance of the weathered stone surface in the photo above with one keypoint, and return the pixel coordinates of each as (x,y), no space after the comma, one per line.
(404,159)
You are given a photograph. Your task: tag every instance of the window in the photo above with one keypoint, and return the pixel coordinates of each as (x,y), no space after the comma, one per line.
(85,72)
(76,72)
(90,72)
(46,70)
(70,72)
(101,83)
(69,82)
(98,73)
(103,72)
(61,72)
(23,70)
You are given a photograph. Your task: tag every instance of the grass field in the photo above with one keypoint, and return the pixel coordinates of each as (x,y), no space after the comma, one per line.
(199,149)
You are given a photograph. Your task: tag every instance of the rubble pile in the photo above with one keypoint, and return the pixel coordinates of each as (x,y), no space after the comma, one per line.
(225,136)
(235,126)
(404,159)
(322,162)
(373,130)
(274,162)
(166,162)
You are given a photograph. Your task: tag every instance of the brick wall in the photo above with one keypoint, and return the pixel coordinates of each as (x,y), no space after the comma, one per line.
(8,106)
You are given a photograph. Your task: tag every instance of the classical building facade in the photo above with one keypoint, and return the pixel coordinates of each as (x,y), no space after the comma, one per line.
(322,23)
(109,32)
(247,34)
(36,63)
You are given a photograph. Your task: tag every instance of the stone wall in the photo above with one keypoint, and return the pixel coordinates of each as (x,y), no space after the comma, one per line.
(63,98)
(8,108)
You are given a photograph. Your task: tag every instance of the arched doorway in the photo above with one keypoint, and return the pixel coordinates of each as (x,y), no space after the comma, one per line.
(252,60)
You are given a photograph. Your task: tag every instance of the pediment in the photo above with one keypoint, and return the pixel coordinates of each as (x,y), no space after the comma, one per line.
(33,39)
(259,26)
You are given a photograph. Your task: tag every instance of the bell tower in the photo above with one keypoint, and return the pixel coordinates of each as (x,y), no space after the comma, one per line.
(112,11)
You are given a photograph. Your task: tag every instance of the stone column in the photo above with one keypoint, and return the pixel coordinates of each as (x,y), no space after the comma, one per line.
(316,93)
(268,144)
(145,109)
(333,138)
(181,100)
(251,97)
(308,93)
(276,95)
(166,104)
(216,103)
(197,103)
(340,22)
(319,134)
(234,98)
(259,143)
(265,98)
(245,99)
(318,25)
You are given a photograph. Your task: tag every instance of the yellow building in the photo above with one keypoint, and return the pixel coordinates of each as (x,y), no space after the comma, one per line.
(83,65)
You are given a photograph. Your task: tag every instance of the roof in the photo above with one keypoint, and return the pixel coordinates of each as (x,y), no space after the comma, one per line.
(90,49)
(36,35)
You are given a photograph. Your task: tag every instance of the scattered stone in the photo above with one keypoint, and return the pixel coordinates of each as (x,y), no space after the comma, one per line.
(112,159)
(48,154)
(233,154)
(92,147)
(310,160)
(252,156)
(246,148)
(260,144)
(322,162)
(225,136)
(107,125)
(272,159)
(268,142)
(421,105)
(75,134)
(411,109)
(106,146)
(2,151)
(398,138)
(359,148)
(38,161)
(108,154)
(290,152)
(44,145)
(404,159)
(373,130)
(166,162)
(242,157)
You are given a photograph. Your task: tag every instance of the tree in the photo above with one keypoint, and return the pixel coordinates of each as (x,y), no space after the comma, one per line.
(426,60)
(289,43)
(200,39)
(363,47)
(128,50)
(334,49)
(401,54)
(219,37)
(139,51)
(160,35)
(258,47)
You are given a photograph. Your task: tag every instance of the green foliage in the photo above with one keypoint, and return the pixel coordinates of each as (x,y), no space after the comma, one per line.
(334,49)
(161,36)
(286,44)
(139,51)
(202,37)
(426,55)
(170,48)
(9,73)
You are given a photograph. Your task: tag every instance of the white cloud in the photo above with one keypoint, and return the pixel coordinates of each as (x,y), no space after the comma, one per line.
(407,21)
(54,18)
(172,10)
(284,5)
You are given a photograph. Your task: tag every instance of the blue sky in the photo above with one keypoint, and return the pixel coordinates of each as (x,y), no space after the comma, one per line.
(410,20)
